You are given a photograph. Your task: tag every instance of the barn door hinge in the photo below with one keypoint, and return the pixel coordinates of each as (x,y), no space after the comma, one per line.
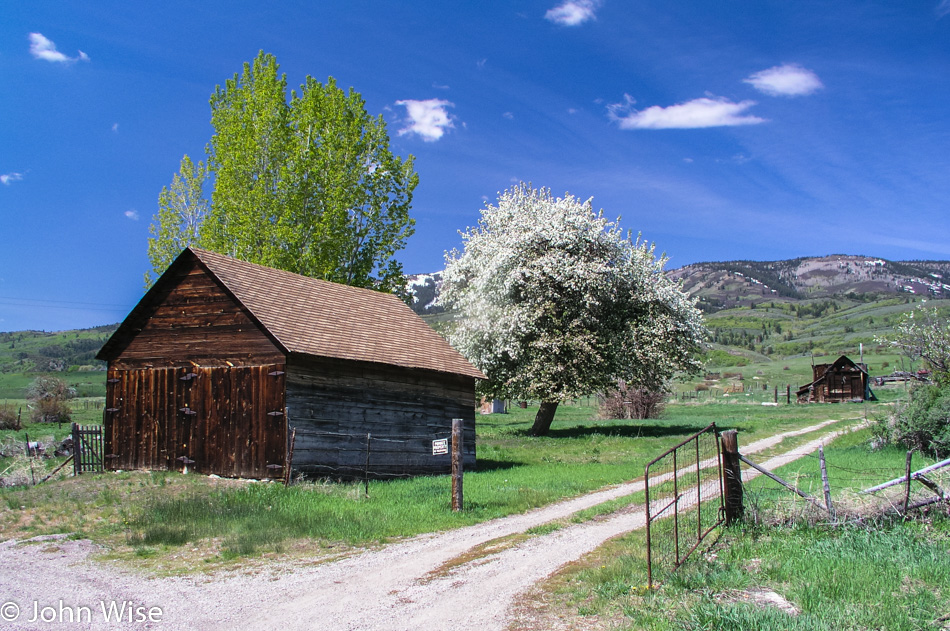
(187,410)
(112,380)
(111,410)
(275,373)
(188,376)
(275,413)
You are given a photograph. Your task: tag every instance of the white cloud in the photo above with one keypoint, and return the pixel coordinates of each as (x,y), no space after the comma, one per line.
(428,118)
(695,114)
(132,214)
(573,12)
(943,8)
(508,115)
(786,80)
(115,128)
(43,48)
(6,178)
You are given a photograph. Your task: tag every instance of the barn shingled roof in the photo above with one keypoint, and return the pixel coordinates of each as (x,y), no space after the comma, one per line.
(316,317)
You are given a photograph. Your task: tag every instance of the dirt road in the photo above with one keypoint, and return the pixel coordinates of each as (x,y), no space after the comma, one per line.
(460,579)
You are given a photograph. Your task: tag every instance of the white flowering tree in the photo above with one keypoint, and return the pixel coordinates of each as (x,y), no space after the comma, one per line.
(924,334)
(556,302)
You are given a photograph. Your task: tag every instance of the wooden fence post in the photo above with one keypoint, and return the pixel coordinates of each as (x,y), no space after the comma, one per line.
(77,450)
(824,482)
(910,456)
(369,437)
(731,476)
(456,464)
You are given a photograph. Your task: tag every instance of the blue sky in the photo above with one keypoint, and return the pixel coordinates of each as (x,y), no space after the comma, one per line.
(720,130)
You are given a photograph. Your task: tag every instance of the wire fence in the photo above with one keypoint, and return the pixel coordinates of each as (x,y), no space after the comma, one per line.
(767,502)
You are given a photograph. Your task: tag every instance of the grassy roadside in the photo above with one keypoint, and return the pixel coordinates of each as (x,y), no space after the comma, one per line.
(180,523)
(779,570)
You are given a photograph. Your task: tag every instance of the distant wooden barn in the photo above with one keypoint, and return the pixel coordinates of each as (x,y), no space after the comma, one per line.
(222,360)
(842,380)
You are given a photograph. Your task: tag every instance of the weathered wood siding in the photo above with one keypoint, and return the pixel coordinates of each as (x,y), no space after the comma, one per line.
(334,404)
(198,322)
(229,420)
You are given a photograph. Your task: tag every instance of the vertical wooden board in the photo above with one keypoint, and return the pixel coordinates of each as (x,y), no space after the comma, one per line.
(233,446)
(108,418)
(242,436)
(229,425)
(207,425)
(168,401)
(224,403)
(135,420)
(254,406)
(201,399)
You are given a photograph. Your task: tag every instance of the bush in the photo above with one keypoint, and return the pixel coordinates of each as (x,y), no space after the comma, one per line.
(9,419)
(630,402)
(923,423)
(50,411)
(49,388)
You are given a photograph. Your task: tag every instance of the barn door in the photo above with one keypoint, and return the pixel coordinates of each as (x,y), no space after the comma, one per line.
(226,420)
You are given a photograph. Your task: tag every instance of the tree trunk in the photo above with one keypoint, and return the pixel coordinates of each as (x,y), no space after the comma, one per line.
(542,422)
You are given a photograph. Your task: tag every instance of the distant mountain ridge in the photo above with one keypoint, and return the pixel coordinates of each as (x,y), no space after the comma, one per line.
(726,284)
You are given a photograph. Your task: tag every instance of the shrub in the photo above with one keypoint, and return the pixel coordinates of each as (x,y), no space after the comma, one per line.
(631,402)
(701,387)
(9,419)
(51,410)
(49,388)
(923,423)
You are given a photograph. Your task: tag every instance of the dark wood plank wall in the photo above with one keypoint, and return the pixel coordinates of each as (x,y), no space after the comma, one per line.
(198,323)
(334,404)
(229,420)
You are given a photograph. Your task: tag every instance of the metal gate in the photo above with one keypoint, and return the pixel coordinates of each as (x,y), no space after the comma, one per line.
(676,484)
(87,449)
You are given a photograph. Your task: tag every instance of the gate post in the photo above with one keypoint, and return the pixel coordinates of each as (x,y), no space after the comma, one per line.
(77,451)
(731,476)
(457,464)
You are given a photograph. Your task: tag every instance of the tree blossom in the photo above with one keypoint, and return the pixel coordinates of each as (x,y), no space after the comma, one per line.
(556,302)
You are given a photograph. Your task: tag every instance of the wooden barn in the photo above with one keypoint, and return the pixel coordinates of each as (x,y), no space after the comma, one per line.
(843,380)
(222,360)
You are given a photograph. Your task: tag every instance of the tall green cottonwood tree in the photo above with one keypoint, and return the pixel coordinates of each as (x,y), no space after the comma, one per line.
(181,210)
(557,303)
(308,184)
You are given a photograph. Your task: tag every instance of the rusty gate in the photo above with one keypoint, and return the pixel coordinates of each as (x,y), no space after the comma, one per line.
(677,484)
